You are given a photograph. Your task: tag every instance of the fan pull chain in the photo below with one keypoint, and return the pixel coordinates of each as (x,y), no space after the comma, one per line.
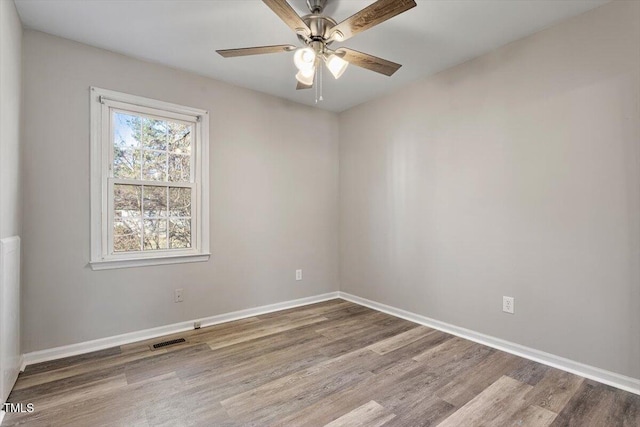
(318,85)
(321,68)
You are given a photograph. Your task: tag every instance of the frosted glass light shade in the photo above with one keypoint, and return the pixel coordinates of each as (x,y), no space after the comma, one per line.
(306,76)
(336,65)
(304,58)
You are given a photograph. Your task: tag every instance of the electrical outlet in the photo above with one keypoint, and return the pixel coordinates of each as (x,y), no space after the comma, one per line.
(508,304)
(197,325)
(298,274)
(178,296)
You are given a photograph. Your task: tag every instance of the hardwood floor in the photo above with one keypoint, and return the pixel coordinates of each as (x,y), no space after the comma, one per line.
(334,363)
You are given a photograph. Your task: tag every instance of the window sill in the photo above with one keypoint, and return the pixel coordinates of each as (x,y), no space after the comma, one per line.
(144,262)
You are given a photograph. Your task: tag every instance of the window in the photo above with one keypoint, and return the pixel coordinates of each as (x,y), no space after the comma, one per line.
(149,179)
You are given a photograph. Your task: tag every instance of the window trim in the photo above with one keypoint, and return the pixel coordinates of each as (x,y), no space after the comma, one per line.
(101,103)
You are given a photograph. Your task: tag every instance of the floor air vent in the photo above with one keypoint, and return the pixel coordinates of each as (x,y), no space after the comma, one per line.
(168,343)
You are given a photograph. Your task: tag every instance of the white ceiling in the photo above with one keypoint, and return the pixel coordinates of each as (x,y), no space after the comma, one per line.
(184,34)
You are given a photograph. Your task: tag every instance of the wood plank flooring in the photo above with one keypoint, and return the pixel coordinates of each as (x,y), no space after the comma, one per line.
(329,364)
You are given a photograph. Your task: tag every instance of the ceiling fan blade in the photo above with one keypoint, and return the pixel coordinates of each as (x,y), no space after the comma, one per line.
(258,50)
(369,62)
(303,86)
(288,15)
(368,17)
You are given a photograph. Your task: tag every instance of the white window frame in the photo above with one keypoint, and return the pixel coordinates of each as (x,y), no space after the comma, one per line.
(102,103)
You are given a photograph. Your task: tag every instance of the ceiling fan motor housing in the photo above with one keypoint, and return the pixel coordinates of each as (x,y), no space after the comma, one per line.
(319,26)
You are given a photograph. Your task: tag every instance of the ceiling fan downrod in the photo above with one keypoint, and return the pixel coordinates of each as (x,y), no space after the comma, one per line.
(316,6)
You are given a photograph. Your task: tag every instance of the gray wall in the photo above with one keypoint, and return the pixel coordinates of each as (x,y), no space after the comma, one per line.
(274,195)
(517,173)
(10,95)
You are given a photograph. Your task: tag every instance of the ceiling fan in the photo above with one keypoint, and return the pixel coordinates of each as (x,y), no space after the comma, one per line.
(318,31)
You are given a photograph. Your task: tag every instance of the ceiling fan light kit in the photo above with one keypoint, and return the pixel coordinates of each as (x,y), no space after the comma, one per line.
(306,76)
(304,58)
(317,31)
(336,65)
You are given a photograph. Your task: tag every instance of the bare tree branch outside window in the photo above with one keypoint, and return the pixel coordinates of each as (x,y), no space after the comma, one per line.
(156,215)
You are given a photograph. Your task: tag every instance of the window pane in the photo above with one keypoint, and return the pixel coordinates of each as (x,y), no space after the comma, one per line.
(155,234)
(155,201)
(126,235)
(179,168)
(179,201)
(155,166)
(127,201)
(180,233)
(126,163)
(126,131)
(154,134)
(180,138)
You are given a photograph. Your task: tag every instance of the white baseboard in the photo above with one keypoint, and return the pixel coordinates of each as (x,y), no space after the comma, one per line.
(610,378)
(103,343)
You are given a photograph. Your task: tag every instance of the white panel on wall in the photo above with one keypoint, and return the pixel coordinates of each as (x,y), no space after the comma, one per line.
(9,314)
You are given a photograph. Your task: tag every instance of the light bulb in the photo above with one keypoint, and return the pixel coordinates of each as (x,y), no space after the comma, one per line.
(306,76)
(336,65)
(304,58)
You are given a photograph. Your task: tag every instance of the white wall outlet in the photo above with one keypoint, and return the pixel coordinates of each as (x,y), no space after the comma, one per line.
(197,325)
(298,274)
(178,295)
(508,304)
